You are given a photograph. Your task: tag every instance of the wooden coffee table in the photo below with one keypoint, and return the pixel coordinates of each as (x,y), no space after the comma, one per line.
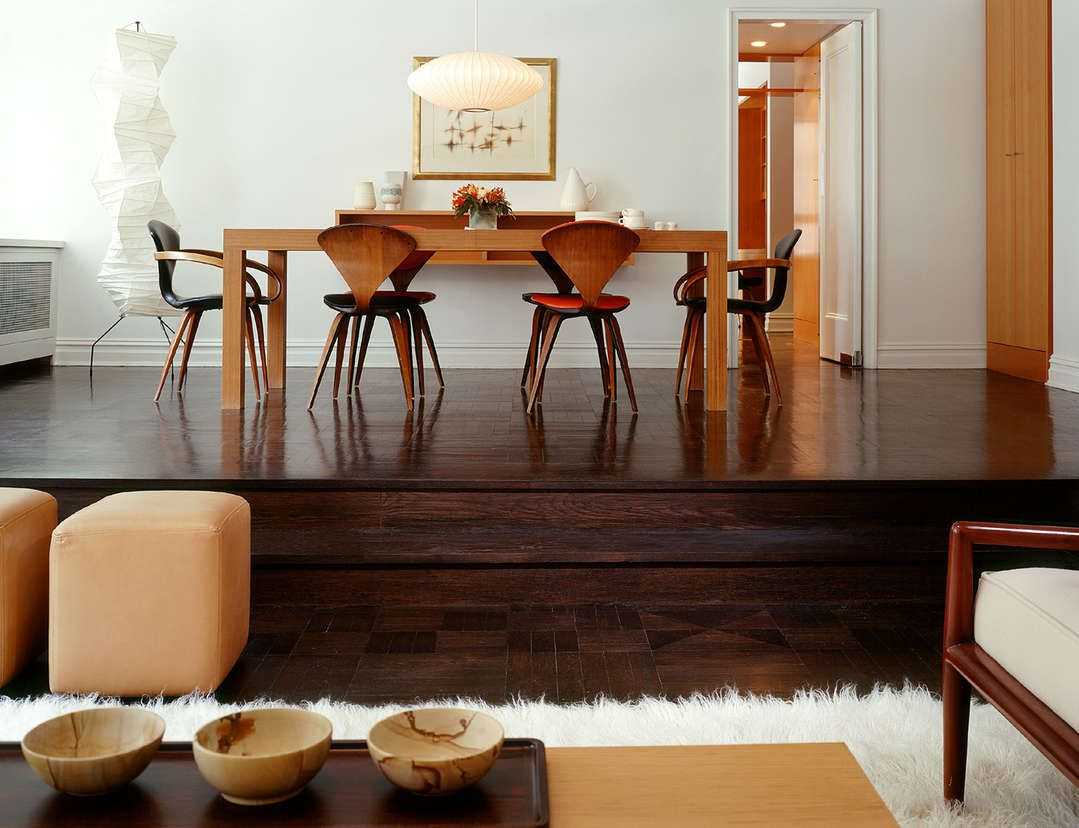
(802,784)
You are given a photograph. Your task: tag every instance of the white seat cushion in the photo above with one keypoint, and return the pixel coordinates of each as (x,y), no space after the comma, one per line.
(1028,620)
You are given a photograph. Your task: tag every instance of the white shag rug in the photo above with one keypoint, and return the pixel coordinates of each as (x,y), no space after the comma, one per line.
(895,735)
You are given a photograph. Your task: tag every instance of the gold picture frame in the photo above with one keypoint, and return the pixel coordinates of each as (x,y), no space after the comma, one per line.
(431,162)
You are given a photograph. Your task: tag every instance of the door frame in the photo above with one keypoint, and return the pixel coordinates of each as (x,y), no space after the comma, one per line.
(870,153)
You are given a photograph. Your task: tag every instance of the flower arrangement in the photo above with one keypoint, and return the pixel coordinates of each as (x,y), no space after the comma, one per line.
(482,206)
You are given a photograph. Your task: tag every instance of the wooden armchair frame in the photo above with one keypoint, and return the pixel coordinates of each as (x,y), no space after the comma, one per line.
(967,665)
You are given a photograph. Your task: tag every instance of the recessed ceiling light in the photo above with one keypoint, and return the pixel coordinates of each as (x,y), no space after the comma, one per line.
(779,24)
(758,44)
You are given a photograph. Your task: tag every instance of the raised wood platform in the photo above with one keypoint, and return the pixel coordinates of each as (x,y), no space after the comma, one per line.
(837,503)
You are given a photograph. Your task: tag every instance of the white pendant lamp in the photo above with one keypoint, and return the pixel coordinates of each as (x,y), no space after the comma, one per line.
(475,81)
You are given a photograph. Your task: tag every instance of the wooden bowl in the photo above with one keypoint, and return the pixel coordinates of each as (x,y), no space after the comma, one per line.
(94,751)
(437,750)
(257,757)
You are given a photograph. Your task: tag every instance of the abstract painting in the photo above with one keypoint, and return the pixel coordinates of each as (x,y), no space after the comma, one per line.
(512,144)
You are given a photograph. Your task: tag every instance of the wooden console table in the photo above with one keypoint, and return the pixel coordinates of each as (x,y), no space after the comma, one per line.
(699,246)
(799,784)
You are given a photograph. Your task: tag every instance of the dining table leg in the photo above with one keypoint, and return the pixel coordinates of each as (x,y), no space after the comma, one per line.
(715,375)
(695,369)
(233,324)
(277,260)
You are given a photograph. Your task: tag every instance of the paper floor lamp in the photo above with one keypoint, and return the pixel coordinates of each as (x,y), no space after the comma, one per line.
(128,175)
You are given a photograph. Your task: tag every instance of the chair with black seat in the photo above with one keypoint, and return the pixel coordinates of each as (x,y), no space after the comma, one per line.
(414,319)
(169,252)
(367,255)
(753,312)
(588,253)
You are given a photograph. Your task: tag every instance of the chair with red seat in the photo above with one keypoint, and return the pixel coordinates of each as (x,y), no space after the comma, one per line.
(366,255)
(588,253)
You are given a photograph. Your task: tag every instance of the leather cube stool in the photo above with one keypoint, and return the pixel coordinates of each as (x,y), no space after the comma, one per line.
(149,592)
(27,518)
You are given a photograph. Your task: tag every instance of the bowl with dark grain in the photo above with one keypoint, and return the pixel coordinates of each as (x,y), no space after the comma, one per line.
(257,757)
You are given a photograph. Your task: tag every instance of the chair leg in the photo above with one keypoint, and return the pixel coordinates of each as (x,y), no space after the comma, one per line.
(620,347)
(339,361)
(260,335)
(697,317)
(956,696)
(425,326)
(769,363)
(331,340)
(612,365)
(406,327)
(189,340)
(750,325)
(355,322)
(533,347)
(171,355)
(417,326)
(597,333)
(554,322)
(368,326)
(400,342)
(682,350)
(249,336)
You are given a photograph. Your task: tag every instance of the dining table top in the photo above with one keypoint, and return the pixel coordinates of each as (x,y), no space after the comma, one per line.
(300,239)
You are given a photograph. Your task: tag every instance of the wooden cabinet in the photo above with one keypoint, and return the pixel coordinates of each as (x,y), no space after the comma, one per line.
(1018,188)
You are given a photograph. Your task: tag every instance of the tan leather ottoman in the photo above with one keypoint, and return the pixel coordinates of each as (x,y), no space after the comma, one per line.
(27,518)
(149,592)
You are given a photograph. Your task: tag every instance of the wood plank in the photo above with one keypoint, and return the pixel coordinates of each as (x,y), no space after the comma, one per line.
(818,784)
(716,329)
(277,327)
(1026,363)
(233,324)
(805,269)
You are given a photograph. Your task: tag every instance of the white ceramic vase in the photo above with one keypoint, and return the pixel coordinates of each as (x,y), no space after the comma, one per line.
(363,195)
(483,220)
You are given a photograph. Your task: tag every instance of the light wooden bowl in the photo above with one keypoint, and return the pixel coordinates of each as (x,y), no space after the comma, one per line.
(437,750)
(262,756)
(94,751)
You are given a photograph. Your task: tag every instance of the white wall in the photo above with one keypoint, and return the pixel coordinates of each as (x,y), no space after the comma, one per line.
(281,105)
(1064,363)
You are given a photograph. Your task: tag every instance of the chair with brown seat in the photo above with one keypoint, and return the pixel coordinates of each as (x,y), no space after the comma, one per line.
(167,242)
(367,255)
(588,253)
(753,312)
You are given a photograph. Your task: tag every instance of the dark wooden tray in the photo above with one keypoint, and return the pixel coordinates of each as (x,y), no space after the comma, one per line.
(349,791)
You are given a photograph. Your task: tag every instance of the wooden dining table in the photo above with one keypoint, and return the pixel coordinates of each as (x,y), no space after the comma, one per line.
(701,247)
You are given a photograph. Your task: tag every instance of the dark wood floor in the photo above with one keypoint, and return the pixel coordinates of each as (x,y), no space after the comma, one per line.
(469,550)
(372,655)
(836,425)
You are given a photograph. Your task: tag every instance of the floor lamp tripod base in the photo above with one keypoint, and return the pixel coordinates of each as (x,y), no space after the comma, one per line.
(166,329)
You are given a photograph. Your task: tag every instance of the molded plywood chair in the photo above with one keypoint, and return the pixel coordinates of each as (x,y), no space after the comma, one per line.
(588,253)
(366,255)
(752,311)
(1016,639)
(167,242)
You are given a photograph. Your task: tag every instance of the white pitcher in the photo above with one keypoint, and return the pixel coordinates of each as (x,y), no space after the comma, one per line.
(577,195)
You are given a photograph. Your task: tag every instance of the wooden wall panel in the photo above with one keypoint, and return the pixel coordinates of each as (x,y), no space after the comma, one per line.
(752,212)
(1018,187)
(805,270)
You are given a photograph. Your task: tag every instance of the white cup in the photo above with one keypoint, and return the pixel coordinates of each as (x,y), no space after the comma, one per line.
(632,211)
(671,225)
(659,225)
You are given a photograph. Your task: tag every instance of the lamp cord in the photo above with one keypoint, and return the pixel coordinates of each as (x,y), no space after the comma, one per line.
(476,22)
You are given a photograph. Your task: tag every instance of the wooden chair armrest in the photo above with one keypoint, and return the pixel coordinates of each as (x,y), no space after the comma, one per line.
(250,264)
(959,592)
(215,259)
(753,264)
(687,280)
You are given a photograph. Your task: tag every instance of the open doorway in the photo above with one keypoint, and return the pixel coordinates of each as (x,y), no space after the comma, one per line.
(804,157)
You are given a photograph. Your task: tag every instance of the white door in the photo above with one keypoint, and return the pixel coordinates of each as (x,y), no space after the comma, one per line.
(841,196)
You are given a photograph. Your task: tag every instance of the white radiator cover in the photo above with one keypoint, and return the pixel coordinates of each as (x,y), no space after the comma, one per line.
(29,274)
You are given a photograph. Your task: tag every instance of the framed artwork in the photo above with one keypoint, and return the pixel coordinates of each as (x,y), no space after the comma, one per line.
(515,144)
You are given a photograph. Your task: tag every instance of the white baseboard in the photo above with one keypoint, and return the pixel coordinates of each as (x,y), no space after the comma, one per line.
(931,355)
(305,353)
(780,323)
(1063,373)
